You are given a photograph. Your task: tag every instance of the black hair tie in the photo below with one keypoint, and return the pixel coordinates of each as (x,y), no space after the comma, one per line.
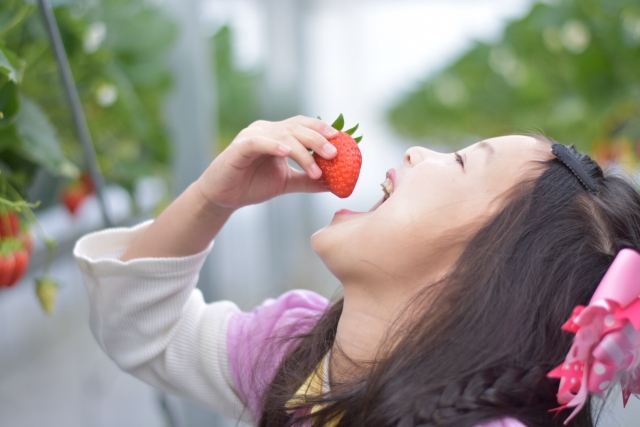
(566,157)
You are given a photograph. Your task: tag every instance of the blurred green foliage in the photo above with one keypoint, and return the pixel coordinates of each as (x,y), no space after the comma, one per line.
(238,89)
(117,51)
(569,69)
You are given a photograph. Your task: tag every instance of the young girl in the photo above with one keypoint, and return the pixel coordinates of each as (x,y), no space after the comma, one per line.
(456,286)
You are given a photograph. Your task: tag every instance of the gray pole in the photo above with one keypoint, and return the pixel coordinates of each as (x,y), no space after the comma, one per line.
(79,119)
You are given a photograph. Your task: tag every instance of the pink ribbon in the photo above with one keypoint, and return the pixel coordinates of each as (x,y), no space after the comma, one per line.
(605,347)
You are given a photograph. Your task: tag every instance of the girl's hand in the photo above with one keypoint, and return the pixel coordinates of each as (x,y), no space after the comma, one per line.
(254,167)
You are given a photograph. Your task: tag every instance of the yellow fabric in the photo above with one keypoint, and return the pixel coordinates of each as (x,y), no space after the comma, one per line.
(313,387)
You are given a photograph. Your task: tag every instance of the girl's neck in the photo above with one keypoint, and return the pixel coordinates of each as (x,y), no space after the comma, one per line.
(363,325)
(369,313)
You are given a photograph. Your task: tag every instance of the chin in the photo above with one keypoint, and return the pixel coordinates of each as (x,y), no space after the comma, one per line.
(321,242)
(338,245)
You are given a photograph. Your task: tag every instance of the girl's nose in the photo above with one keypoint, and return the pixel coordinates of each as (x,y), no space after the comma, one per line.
(415,155)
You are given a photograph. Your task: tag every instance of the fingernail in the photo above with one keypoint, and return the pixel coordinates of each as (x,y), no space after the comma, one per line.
(284,149)
(315,171)
(331,132)
(329,149)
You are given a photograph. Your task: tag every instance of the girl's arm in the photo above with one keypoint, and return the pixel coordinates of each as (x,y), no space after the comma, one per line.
(251,170)
(145,310)
(186,227)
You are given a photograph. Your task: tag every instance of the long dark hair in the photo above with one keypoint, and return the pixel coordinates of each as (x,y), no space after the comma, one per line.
(480,341)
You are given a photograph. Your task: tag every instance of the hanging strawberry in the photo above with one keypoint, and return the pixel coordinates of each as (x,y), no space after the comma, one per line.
(47,291)
(341,173)
(7,264)
(73,196)
(17,241)
(75,193)
(21,258)
(9,224)
(14,260)
(87,182)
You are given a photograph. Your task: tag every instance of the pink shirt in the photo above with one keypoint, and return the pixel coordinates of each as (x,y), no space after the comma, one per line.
(256,344)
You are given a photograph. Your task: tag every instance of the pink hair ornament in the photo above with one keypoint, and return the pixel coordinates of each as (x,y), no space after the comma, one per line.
(606,348)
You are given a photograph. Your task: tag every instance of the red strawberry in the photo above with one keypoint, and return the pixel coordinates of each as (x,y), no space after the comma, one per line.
(341,173)
(21,258)
(9,224)
(27,240)
(73,196)
(7,266)
(87,182)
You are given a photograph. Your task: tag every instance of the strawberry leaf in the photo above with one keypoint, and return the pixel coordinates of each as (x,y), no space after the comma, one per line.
(352,130)
(339,123)
(358,139)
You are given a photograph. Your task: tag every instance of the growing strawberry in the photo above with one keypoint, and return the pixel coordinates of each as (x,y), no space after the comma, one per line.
(14,259)
(341,173)
(7,265)
(73,196)
(21,259)
(9,224)
(87,182)
(47,291)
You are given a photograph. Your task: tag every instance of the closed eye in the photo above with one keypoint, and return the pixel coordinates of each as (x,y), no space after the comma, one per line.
(459,159)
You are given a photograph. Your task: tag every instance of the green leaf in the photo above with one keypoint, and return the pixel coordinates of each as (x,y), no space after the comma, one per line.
(40,143)
(9,103)
(352,130)
(358,139)
(56,3)
(319,118)
(9,79)
(339,123)
(12,18)
(8,139)
(7,69)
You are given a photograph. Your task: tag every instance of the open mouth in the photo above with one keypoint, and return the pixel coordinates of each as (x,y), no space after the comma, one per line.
(387,189)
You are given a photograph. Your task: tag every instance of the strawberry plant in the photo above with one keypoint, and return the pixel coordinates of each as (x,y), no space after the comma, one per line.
(117,51)
(568,69)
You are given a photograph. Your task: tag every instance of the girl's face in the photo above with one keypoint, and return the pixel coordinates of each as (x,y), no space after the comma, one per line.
(402,239)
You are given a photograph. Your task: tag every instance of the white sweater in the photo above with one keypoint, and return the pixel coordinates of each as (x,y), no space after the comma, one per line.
(148,317)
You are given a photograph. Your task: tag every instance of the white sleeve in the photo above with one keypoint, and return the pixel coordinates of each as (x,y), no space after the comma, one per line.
(148,317)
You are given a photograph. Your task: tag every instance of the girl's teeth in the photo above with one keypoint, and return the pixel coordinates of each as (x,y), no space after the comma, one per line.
(387,186)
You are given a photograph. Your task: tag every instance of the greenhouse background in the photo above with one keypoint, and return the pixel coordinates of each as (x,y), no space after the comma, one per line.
(166,84)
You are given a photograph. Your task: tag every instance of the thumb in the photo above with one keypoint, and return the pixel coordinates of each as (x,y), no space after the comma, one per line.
(299,182)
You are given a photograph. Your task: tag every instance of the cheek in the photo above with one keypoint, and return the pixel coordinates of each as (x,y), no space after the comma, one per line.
(438,204)
(338,242)
(351,248)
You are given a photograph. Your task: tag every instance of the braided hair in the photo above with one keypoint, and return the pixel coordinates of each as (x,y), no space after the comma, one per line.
(476,345)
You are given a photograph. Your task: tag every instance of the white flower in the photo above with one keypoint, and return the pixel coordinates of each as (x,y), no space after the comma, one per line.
(106,94)
(575,36)
(94,37)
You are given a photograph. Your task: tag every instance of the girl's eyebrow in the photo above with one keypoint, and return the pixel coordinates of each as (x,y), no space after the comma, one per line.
(490,150)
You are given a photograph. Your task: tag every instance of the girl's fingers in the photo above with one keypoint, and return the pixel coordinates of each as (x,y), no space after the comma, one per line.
(314,141)
(317,125)
(249,149)
(299,182)
(301,156)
